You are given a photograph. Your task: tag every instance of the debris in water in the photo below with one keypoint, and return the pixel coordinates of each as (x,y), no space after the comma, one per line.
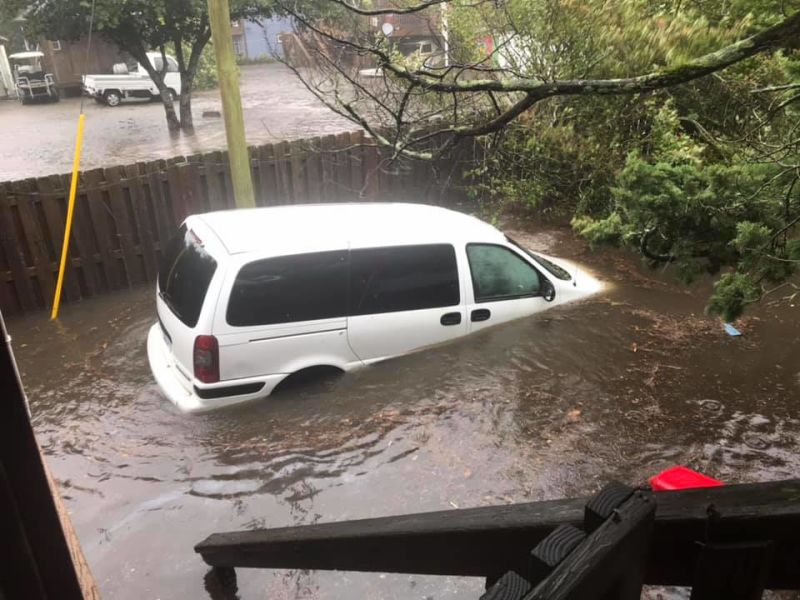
(731,330)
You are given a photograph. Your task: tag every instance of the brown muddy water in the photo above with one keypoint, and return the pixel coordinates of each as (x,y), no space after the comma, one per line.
(618,386)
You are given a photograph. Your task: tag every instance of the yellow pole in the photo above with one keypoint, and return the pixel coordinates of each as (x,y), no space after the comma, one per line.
(73,188)
(219,19)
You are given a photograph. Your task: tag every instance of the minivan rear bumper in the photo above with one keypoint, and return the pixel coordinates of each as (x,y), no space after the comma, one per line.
(191,398)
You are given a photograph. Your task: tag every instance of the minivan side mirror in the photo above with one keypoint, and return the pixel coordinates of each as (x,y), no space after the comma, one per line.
(548,290)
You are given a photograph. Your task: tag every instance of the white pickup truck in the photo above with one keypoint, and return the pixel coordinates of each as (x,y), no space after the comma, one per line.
(131,80)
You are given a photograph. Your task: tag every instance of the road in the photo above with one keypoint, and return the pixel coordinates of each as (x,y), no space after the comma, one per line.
(40,139)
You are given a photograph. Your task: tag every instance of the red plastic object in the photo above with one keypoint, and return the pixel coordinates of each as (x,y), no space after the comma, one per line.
(681,478)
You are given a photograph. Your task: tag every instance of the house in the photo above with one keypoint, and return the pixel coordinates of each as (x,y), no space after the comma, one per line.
(68,61)
(253,40)
(418,32)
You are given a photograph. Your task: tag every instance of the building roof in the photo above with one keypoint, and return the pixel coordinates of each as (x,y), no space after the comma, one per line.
(320,227)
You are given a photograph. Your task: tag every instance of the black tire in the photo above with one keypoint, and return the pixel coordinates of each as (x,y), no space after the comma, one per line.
(55,97)
(24,100)
(112,98)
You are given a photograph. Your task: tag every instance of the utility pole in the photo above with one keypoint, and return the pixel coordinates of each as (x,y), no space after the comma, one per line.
(219,16)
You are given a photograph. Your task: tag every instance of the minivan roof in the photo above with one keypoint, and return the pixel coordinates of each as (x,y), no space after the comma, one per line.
(316,227)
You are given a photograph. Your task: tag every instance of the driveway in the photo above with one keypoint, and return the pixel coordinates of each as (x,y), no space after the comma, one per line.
(40,139)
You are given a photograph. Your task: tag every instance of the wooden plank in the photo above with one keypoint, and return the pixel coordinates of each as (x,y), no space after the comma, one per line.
(261,181)
(732,571)
(177,195)
(490,538)
(134,270)
(104,232)
(609,564)
(37,547)
(328,164)
(230,197)
(160,202)
(194,198)
(214,185)
(313,171)
(356,160)
(45,279)
(12,246)
(141,221)
(81,565)
(372,173)
(343,182)
(297,168)
(86,255)
(284,186)
(53,202)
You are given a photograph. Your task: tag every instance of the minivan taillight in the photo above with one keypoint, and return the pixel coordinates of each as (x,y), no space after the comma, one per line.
(206,358)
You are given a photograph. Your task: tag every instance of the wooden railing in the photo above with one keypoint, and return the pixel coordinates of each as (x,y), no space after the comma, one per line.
(124,215)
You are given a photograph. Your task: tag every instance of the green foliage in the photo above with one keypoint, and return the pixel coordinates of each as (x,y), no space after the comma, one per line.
(206,76)
(732,293)
(704,178)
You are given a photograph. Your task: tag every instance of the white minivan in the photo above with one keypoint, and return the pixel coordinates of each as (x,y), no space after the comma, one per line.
(247,297)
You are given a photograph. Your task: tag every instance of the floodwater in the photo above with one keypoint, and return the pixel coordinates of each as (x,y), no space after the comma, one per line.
(618,386)
(275,104)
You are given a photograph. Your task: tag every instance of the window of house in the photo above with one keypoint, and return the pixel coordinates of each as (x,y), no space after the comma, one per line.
(499,274)
(285,289)
(400,278)
(55,45)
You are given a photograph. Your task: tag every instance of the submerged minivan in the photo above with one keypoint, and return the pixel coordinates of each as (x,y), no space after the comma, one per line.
(247,297)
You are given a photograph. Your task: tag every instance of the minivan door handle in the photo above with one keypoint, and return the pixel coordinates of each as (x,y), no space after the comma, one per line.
(453,318)
(481,314)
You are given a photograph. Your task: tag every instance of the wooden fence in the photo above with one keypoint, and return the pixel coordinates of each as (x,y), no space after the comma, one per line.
(124,215)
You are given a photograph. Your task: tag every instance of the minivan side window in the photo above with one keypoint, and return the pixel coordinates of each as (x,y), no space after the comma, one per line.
(184,275)
(300,287)
(398,278)
(499,274)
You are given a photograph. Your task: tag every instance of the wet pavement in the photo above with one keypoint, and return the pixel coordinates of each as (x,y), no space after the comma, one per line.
(618,386)
(40,139)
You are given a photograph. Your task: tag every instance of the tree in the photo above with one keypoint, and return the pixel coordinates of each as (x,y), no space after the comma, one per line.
(692,166)
(136,26)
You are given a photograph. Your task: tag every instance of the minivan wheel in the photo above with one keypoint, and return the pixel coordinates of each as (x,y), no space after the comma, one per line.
(310,377)
(112,98)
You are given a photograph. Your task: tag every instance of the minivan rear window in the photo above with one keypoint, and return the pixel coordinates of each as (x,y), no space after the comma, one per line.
(300,287)
(184,275)
(399,278)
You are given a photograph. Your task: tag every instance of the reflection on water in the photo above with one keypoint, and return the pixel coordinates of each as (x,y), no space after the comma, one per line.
(619,386)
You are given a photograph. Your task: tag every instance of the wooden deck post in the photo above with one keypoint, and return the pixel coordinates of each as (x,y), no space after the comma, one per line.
(491,540)
(38,557)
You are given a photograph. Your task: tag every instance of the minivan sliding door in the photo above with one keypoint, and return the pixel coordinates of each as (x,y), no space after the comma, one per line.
(402,298)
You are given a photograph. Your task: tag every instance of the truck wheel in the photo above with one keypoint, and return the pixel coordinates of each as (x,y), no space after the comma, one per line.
(172,95)
(112,98)
(55,96)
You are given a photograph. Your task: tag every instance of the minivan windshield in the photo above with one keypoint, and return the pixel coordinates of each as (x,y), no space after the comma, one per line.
(554,269)
(184,274)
